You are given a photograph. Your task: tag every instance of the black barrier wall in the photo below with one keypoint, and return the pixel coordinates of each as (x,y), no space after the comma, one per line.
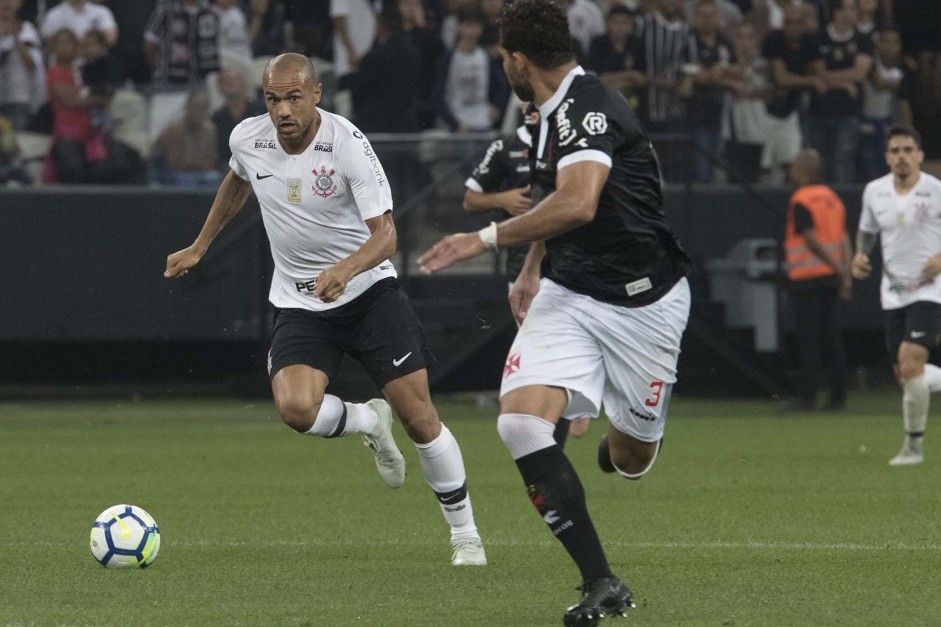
(84,293)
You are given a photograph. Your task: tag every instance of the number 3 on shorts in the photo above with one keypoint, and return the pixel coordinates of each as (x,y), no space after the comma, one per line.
(656,387)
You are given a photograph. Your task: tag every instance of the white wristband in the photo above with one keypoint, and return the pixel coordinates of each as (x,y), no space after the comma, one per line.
(488,235)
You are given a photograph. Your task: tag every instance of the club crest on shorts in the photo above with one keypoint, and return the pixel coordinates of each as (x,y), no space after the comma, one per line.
(512,365)
(323,182)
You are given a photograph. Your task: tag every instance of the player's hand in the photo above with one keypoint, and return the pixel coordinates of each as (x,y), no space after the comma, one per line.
(862,267)
(180,262)
(845,289)
(932,267)
(522,293)
(449,251)
(517,201)
(332,283)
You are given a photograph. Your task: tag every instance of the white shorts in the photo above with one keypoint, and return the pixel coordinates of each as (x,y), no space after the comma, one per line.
(623,357)
(782,141)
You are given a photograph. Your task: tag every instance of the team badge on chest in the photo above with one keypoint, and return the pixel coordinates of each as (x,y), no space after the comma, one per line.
(324,186)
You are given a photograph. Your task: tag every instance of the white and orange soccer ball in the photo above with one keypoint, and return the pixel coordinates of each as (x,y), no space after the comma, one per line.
(125,536)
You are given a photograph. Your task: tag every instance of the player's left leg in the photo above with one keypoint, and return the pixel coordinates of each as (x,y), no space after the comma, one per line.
(441,462)
(916,398)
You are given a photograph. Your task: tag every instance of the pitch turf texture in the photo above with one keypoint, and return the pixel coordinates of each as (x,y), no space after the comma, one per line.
(749,518)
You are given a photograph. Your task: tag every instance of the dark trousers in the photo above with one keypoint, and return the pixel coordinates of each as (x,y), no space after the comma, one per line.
(820,342)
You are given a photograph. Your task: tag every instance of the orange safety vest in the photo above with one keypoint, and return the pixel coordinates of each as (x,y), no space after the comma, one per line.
(829,216)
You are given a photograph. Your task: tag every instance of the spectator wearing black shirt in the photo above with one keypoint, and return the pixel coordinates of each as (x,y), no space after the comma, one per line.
(422,34)
(835,114)
(616,58)
(238,106)
(266,27)
(603,302)
(793,55)
(707,79)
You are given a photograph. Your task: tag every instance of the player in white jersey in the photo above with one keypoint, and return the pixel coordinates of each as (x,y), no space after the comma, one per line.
(904,209)
(327,209)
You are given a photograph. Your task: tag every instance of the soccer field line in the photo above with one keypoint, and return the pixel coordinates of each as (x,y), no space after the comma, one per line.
(314,542)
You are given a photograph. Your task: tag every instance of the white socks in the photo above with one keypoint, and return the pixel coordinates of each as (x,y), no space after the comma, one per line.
(337,418)
(915,399)
(443,466)
(524,434)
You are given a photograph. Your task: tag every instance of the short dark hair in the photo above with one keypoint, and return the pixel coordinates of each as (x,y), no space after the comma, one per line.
(539,29)
(899,130)
(620,9)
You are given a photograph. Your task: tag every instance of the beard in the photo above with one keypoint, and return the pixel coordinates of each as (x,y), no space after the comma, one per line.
(523,90)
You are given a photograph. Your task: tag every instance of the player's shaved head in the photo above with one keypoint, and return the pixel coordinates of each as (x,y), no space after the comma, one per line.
(289,64)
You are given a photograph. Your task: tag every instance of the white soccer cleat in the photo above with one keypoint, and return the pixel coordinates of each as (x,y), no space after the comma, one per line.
(389,460)
(911,454)
(468,552)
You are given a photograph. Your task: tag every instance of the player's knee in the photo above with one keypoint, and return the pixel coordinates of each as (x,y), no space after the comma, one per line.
(297,413)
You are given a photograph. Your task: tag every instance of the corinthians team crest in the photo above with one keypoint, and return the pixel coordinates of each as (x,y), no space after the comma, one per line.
(323,182)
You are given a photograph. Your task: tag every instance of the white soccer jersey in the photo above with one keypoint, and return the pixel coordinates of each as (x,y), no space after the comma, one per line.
(910,228)
(314,204)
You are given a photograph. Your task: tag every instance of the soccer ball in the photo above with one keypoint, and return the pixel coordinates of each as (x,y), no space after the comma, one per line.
(123,536)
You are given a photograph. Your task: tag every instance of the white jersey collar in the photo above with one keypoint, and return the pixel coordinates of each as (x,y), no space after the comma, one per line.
(552,103)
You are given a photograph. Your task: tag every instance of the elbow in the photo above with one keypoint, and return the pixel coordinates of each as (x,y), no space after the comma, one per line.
(583,214)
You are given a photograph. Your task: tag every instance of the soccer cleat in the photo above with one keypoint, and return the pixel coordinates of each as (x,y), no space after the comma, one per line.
(600,598)
(912,454)
(604,455)
(468,552)
(389,460)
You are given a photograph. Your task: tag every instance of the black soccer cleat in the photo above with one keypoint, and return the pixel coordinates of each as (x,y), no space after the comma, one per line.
(604,455)
(600,598)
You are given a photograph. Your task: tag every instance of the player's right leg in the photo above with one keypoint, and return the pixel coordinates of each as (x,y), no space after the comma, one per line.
(916,398)
(304,355)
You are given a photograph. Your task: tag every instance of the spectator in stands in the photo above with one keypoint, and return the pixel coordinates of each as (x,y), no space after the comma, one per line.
(100,75)
(705,83)
(886,101)
(818,255)
(354,29)
(386,88)
(186,152)
(614,56)
(312,28)
(182,43)
(663,37)
(586,21)
(22,74)
(11,167)
(490,38)
(80,152)
(238,106)
(835,113)
(793,56)
(266,27)
(81,16)
(233,32)
(729,14)
(745,117)
(472,93)
(427,40)
(868,18)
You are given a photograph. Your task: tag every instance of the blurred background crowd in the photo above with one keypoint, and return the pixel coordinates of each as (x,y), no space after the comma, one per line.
(147,91)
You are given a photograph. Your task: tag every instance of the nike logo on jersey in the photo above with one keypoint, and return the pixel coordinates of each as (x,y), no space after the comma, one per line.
(262,177)
(917,334)
(398,362)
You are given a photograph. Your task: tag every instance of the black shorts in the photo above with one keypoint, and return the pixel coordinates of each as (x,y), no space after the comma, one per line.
(918,323)
(379,329)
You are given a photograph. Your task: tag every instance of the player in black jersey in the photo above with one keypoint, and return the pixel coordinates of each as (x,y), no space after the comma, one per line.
(602,327)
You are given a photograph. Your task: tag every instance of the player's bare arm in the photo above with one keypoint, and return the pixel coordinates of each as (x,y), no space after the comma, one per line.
(862,267)
(379,247)
(230,198)
(574,203)
(513,201)
(526,285)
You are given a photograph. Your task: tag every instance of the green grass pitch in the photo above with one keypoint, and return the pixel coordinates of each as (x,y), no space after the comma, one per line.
(748,518)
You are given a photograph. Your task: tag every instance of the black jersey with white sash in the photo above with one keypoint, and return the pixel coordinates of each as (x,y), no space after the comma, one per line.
(628,254)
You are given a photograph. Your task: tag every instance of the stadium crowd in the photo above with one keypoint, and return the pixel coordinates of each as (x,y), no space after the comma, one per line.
(149,90)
